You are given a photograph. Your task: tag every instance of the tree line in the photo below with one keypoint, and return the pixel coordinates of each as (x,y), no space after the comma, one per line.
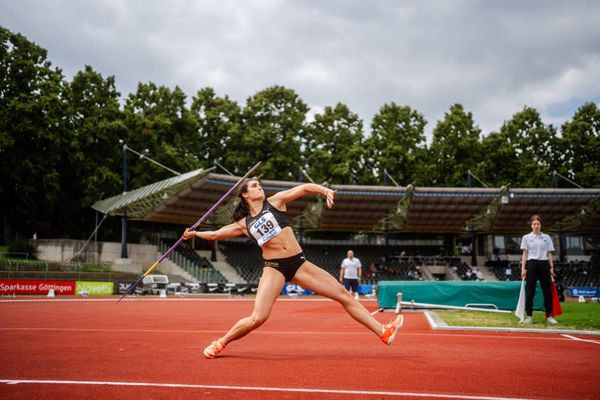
(60,147)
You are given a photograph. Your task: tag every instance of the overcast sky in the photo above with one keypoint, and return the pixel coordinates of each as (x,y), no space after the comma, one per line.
(494,57)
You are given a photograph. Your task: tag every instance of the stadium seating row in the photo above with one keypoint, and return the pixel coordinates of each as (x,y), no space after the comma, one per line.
(570,274)
(197,266)
(247,261)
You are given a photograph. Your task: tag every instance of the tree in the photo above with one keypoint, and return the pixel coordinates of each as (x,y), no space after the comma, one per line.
(535,148)
(455,149)
(91,168)
(160,126)
(580,146)
(334,147)
(272,131)
(397,138)
(98,125)
(218,123)
(34,137)
(499,164)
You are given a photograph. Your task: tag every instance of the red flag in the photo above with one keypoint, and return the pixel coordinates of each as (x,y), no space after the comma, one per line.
(556,307)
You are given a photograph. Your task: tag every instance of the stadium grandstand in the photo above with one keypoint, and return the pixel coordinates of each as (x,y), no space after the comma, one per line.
(398,232)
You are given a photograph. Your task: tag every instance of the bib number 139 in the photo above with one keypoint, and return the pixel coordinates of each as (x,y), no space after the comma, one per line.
(265,229)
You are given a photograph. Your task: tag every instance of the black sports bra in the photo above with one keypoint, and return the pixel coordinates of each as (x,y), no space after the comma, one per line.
(267,224)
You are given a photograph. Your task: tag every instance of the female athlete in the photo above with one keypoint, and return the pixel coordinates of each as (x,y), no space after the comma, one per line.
(264,221)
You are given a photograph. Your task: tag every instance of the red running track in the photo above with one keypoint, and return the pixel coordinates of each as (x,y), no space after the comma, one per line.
(309,349)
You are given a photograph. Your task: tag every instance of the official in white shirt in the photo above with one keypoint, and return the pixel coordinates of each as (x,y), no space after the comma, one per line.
(537,264)
(350,273)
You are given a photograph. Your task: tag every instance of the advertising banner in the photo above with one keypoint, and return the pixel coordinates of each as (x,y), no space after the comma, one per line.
(94,288)
(123,287)
(26,286)
(583,291)
(289,288)
(365,289)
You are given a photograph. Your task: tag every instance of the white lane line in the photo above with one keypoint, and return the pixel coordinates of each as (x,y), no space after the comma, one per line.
(259,389)
(168,299)
(438,326)
(265,332)
(581,340)
(186,331)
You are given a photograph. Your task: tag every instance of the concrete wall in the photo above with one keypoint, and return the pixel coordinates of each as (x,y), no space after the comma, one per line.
(62,250)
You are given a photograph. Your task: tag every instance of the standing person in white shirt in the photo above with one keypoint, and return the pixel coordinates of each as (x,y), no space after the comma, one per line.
(350,273)
(537,264)
(478,274)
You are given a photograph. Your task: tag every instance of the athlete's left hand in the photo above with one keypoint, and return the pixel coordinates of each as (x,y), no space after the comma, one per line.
(187,234)
(329,196)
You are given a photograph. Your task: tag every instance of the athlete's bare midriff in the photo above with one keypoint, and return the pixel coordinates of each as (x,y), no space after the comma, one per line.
(281,246)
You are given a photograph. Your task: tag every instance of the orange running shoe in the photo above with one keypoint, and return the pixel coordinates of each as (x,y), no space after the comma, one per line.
(214,349)
(389,331)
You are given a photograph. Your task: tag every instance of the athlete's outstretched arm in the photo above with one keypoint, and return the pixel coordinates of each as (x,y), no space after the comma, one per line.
(228,231)
(285,196)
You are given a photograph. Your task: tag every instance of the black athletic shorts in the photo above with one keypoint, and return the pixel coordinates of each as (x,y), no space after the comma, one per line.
(287,266)
(351,284)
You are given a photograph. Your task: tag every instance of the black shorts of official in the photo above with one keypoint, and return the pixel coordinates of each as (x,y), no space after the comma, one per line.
(287,266)
(351,284)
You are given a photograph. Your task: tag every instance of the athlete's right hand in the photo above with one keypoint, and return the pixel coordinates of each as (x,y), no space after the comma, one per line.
(187,234)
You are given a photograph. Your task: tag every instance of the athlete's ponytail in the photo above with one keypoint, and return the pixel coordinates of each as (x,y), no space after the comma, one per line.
(241,210)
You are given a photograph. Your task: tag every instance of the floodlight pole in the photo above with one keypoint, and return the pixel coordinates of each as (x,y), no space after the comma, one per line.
(124,217)
(473,234)
(153,161)
(387,175)
(386,235)
(556,175)
(562,253)
(216,163)
(300,217)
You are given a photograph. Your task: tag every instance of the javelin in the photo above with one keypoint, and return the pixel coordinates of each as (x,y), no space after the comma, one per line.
(213,208)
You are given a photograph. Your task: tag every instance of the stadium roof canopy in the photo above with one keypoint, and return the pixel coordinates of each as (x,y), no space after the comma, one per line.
(184,199)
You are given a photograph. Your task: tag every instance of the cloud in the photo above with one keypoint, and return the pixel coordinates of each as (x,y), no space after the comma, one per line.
(493,57)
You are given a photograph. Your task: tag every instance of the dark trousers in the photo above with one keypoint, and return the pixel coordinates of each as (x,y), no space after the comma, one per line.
(538,270)
(351,284)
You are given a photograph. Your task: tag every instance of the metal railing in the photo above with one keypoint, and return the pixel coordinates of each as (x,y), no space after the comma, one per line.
(35,269)
(62,275)
(16,253)
(201,272)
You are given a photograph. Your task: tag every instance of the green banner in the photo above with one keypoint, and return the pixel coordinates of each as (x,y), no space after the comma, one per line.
(94,288)
(504,295)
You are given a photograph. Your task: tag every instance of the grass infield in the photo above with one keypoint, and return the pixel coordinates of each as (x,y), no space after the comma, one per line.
(580,316)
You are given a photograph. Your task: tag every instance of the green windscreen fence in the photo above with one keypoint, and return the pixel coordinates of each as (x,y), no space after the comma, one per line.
(504,295)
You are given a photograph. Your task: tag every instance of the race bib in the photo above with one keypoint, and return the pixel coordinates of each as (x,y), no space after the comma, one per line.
(265,228)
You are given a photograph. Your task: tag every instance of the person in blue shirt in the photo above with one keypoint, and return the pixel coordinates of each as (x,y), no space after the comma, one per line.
(537,264)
